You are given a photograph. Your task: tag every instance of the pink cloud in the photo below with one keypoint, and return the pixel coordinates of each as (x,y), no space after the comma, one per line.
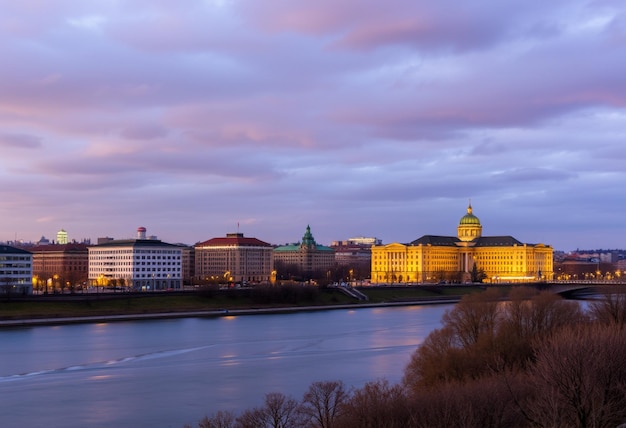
(356,24)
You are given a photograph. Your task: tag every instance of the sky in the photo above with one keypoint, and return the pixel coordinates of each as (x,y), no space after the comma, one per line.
(199,118)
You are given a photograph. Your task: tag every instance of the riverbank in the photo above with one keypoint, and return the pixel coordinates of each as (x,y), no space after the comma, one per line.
(29,322)
(72,309)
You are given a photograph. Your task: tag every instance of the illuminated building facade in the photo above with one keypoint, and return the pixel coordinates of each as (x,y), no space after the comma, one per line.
(456,259)
(62,237)
(234,258)
(16,271)
(141,264)
(59,266)
(308,257)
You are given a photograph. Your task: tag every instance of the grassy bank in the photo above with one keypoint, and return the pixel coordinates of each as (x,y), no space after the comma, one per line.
(400,294)
(207,300)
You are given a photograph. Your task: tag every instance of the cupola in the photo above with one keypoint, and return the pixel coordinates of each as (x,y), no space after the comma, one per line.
(469,226)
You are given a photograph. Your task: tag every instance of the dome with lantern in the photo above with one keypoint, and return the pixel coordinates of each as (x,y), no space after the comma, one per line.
(469,226)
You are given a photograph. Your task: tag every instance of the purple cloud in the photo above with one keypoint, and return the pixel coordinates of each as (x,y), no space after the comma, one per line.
(21,141)
(359,117)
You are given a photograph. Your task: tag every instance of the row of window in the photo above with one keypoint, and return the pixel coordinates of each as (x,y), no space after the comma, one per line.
(108,257)
(133,250)
(118,269)
(13,272)
(114,263)
(18,258)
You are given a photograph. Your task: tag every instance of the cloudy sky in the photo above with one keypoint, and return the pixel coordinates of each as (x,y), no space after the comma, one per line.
(358,117)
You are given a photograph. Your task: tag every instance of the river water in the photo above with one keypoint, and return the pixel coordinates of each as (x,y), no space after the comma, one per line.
(167,373)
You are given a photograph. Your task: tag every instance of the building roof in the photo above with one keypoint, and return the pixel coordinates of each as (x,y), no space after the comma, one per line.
(288,247)
(7,249)
(298,247)
(496,241)
(234,240)
(74,247)
(450,241)
(469,218)
(308,242)
(134,243)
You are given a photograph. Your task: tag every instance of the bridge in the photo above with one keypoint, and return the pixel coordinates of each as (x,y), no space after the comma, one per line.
(582,289)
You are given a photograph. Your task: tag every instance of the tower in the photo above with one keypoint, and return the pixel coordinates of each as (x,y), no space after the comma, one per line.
(62,237)
(469,227)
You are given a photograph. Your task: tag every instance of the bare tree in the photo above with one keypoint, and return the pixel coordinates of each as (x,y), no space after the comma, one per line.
(322,403)
(474,317)
(482,335)
(377,405)
(437,360)
(530,315)
(221,419)
(580,378)
(611,309)
(486,402)
(252,418)
(279,411)
(282,411)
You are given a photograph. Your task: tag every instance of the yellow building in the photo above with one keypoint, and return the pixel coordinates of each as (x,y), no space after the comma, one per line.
(462,258)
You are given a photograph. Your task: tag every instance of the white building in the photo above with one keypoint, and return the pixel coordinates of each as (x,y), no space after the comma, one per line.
(141,264)
(16,271)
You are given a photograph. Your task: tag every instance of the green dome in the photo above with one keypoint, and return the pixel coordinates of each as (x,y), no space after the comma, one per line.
(469,218)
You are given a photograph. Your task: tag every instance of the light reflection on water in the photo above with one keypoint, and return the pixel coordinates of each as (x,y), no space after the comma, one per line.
(172,372)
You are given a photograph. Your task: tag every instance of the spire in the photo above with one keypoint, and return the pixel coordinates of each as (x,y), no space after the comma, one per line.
(469,207)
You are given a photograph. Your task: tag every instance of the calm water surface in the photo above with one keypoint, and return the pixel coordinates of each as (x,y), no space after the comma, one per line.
(172,372)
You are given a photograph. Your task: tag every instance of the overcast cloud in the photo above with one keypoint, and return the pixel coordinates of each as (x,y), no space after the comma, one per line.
(358,117)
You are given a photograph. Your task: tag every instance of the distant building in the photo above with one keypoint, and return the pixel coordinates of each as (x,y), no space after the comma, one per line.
(355,254)
(307,257)
(361,240)
(62,237)
(59,266)
(16,271)
(234,258)
(141,264)
(43,241)
(434,258)
(188,263)
(347,255)
(588,265)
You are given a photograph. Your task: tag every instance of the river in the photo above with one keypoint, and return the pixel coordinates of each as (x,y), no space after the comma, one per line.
(167,373)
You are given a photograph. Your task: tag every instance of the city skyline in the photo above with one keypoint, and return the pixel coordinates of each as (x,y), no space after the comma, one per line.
(356,118)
